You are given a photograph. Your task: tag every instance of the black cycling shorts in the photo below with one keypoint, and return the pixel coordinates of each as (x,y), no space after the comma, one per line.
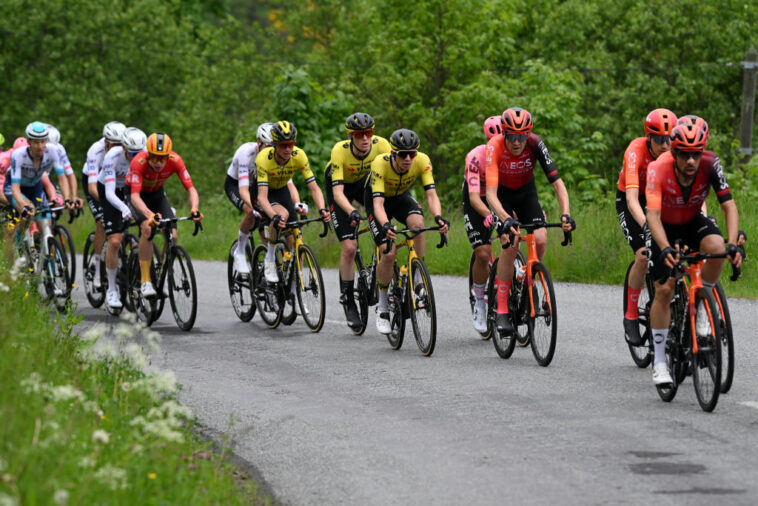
(632,231)
(523,202)
(157,202)
(232,189)
(398,208)
(94,205)
(340,219)
(283,198)
(478,234)
(113,222)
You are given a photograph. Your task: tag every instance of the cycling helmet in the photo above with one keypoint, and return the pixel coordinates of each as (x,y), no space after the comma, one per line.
(113,131)
(133,139)
(660,122)
(404,140)
(159,144)
(492,127)
(20,142)
(516,121)
(54,135)
(37,130)
(283,131)
(264,133)
(2,139)
(691,119)
(688,138)
(358,121)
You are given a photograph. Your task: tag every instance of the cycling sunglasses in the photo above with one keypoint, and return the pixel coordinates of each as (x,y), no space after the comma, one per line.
(685,155)
(133,153)
(360,134)
(286,145)
(405,154)
(157,158)
(661,139)
(515,137)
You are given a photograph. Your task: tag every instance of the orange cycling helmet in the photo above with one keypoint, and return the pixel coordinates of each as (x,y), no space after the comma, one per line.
(660,122)
(516,121)
(691,119)
(688,138)
(159,144)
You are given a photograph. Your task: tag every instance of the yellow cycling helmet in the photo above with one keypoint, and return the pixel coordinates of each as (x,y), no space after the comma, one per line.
(159,144)
(283,131)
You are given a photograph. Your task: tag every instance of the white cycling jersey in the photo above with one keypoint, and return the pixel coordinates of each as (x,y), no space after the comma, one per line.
(63,157)
(243,164)
(113,176)
(22,169)
(95,155)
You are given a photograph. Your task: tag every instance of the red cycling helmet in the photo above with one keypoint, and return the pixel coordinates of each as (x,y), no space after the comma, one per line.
(688,138)
(492,127)
(660,122)
(691,119)
(516,121)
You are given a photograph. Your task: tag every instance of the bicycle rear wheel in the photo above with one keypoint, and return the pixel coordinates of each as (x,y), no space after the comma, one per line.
(289,314)
(182,288)
(543,327)
(241,286)
(64,238)
(55,275)
(95,296)
(397,319)
(310,289)
(270,305)
(422,307)
(145,309)
(504,345)
(641,355)
(727,338)
(472,295)
(706,363)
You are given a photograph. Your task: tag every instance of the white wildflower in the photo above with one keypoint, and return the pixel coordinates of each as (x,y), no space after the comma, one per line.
(61,497)
(124,333)
(91,407)
(4,287)
(6,500)
(33,384)
(162,429)
(93,334)
(134,353)
(86,461)
(64,393)
(126,386)
(128,317)
(112,477)
(18,266)
(100,436)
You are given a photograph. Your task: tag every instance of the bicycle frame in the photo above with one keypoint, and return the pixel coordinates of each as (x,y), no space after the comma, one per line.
(168,255)
(293,228)
(408,242)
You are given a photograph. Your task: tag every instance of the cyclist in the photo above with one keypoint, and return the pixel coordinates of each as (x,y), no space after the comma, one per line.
(111,182)
(276,165)
(54,141)
(478,219)
(5,163)
(678,183)
(630,205)
(345,178)
(510,162)
(112,133)
(386,196)
(148,173)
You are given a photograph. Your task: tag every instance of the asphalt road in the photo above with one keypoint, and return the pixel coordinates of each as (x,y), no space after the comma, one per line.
(331,418)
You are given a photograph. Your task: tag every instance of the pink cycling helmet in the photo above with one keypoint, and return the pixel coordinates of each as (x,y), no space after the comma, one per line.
(492,127)
(20,142)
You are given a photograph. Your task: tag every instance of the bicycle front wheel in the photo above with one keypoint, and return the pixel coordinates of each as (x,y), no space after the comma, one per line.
(266,294)
(182,288)
(397,319)
(504,344)
(422,309)
(641,355)
(310,289)
(95,296)
(55,274)
(727,338)
(63,236)
(543,326)
(706,363)
(240,286)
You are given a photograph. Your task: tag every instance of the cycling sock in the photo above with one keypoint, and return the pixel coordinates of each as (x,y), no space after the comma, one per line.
(659,342)
(241,243)
(144,267)
(270,254)
(384,300)
(96,258)
(479,291)
(633,296)
(503,288)
(112,286)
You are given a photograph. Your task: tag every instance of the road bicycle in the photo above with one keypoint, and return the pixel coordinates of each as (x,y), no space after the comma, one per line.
(532,305)
(299,276)
(365,293)
(415,302)
(689,349)
(64,237)
(241,291)
(173,268)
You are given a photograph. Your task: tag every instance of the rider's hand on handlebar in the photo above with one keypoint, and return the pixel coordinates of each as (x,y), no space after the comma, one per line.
(155,219)
(126,215)
(27,211)
(301,208)
(568,223)
(389,231)
(196,215)
(488,221)
(278,221)
(670,256)
(325,215)
(509,226)
(443,224)
(355,218)
(735,254)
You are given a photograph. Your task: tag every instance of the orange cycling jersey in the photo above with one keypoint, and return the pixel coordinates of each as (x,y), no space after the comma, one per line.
(513,172)
(143,179)
(634,172)
(679,205)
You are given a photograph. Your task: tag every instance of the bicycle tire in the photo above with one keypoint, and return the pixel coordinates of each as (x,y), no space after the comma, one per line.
(266,295)
(95,296)
(360,296)
(422,308)
(240,285)
(64,238)
(182,288)
(145,309)
(727,338)
(310,289)
(675,359)
(642,355)
(395,307)
(289,314)
(520,310)
(706,363)
(55,275)
(543,327)
(504,345)
(472,296)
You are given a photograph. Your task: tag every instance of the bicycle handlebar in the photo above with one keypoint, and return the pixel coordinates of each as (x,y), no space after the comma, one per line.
(409,233)
(74,214)
(164,221)
(697,256)
(300,223)
(531,227)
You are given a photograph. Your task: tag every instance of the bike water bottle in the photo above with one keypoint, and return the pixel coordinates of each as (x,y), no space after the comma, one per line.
(520,272)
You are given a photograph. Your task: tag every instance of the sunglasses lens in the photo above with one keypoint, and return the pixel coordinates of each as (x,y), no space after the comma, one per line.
(286,144)
(515,137)
(661,139)
(406,154)
(360,134)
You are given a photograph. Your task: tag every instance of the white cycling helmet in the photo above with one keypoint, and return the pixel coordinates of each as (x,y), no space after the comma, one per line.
(264,133)
(134,139)
(54,136)
(37,131)
(113,131)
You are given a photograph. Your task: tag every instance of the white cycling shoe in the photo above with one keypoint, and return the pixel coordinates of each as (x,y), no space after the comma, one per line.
(661,375)
(240,264)
(480,317)
(113,300)
(270,272)
(383,325)
(147,290)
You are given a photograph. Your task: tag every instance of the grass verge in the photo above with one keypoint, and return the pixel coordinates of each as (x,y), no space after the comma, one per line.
(81,422)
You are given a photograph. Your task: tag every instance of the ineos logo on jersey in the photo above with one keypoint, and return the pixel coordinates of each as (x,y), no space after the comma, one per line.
(632,160)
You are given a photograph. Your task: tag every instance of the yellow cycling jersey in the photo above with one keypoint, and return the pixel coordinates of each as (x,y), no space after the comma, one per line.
(346,168)
(276,176)
(385,182)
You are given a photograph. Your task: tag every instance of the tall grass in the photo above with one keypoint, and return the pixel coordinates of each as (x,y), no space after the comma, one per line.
(82,422)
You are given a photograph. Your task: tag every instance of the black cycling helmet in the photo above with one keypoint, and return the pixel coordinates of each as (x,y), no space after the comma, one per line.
(358,121)
(283,131)
(404,140)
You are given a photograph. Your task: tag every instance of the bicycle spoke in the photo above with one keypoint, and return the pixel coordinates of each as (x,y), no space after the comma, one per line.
(182,288)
